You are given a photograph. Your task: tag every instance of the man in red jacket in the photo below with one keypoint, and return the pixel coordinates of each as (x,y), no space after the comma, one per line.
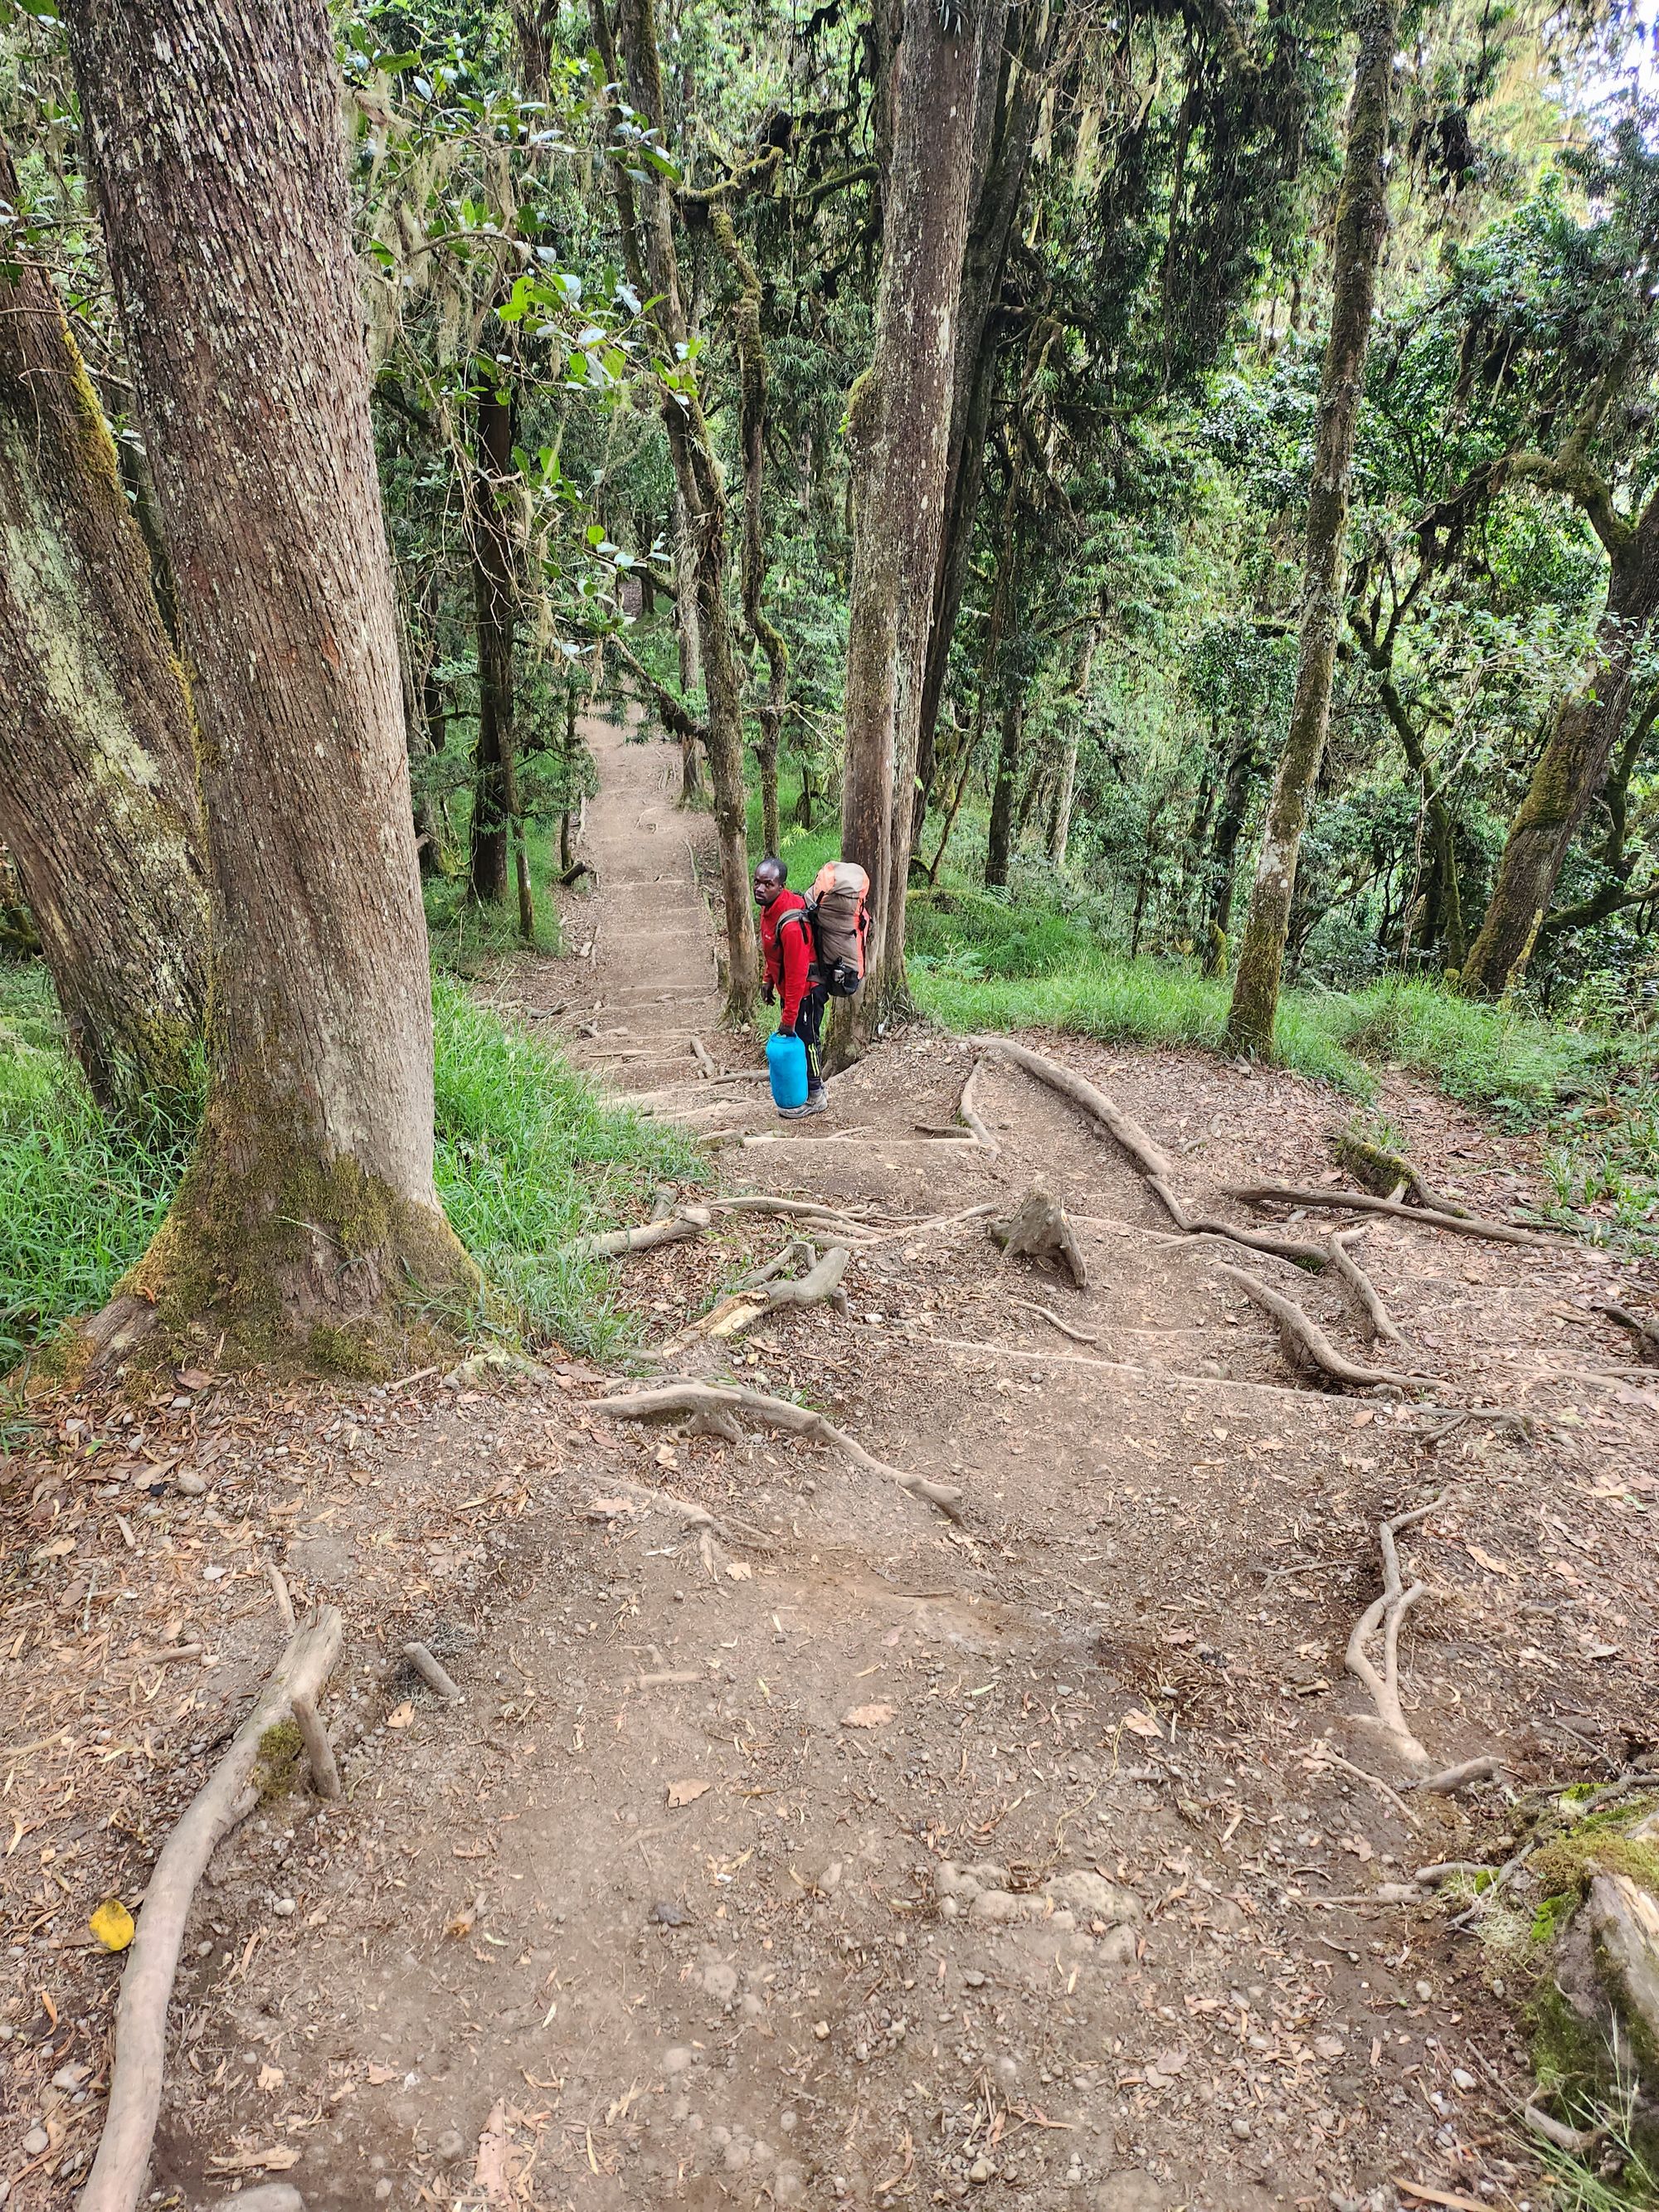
(792,975)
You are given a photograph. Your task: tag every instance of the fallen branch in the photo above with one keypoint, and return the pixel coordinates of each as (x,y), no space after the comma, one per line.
(1370,1299)
(703,1057)
(432,1674)
(1077,1335)
(684,1396)
(1361,1201)
(279,1590)
(1575,2141)
(1298,1334)
(1386,1612)
(227,1796)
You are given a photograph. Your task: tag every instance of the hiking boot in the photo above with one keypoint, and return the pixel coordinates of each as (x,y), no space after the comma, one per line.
(815,1102)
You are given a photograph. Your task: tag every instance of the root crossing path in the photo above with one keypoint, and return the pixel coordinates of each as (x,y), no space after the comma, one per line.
(793,1844)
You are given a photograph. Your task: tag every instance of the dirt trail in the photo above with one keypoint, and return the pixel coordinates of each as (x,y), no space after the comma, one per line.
(863,1859)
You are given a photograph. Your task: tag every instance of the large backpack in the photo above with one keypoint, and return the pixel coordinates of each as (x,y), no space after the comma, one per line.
(838,906)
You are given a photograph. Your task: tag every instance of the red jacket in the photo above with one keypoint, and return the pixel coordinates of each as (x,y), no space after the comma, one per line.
(789,951)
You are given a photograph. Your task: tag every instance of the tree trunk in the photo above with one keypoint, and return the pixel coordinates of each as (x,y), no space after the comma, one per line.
(899,432)
(1060,812)
(1230,824)
(1007,132)
(98,803)
(702,494)
(1570,770)
(1361,226)
(999,849)
(751,432)
(494,597)
(309,1202)
(1448,902)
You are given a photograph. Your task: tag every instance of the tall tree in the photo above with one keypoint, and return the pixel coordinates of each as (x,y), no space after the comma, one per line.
(309,1202)
(98,803)
(899,421)
(1361,226)
(1586,727)
(699,483)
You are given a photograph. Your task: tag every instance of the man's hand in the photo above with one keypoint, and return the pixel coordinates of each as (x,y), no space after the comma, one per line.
(786,1027)
(768,994)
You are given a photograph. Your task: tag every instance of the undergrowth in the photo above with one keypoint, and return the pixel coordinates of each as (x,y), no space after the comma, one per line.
(528,1158)
(463,934)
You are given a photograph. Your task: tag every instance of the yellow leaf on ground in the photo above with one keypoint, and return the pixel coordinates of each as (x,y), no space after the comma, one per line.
(1141,1724)
(864,1717)
(380,2075)
(113,1925)
(739,1571)
(686,1793)
(1486,1559)
(402,1715)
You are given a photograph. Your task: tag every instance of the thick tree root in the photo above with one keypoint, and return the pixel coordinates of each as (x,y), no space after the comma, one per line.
(1387,1614)
(1361,1201)
(1304,1337)
(683,1396)
(968,1114)
(1077,1335)
(1644,1332)
(1377,1316)
(1451,1780)
(1387,1173)
(141,2015)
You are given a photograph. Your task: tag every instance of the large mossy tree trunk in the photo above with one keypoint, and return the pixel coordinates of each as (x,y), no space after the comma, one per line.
(1361,227)
(899,430)
(700,489)
(1572,767)
(495,607)
(308,1210)
(98,799)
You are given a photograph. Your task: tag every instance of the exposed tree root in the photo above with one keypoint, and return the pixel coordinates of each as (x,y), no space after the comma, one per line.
(1304,1339)
(612,1243)
(1038,1229)
(1386,1173)
(141,2015)
(1381,1322)
(319,1751)
(968,1115)
(1324,1753)
(820,1285)
(703,1057)
(1451,1780)
(683,1396)
(1386,1612)
(1361,1201)
(1645,1332)
(1077,1335)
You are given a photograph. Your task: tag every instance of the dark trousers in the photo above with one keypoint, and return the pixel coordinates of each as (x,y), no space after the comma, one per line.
(809,1024)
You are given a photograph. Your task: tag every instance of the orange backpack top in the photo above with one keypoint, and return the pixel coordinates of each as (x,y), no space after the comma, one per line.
(838,905)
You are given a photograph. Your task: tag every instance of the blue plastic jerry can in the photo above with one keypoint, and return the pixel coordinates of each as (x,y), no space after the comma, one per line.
(785,1064)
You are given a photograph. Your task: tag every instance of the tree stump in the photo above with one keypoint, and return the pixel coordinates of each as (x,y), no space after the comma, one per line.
(1038,1230)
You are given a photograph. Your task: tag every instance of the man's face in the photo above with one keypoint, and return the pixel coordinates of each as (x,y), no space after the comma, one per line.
(767,888)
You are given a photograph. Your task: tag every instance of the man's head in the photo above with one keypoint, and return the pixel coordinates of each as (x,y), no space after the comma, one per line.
(770,877)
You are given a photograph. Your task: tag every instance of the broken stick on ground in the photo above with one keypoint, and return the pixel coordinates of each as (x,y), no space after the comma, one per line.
(141,2014)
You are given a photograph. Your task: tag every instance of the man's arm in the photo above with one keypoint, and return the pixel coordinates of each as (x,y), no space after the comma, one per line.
(796,965)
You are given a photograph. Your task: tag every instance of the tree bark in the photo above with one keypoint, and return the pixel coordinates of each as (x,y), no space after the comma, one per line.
(1007,131)
(98,800)
(1570,770)
(495,597)
(309,1202)
(1361,226)
(1230,824)
(700,485)
(999,849)
(751,433)
(899,426)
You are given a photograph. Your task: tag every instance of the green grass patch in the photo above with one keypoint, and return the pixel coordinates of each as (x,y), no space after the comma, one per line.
(464,934)
(528,1157)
